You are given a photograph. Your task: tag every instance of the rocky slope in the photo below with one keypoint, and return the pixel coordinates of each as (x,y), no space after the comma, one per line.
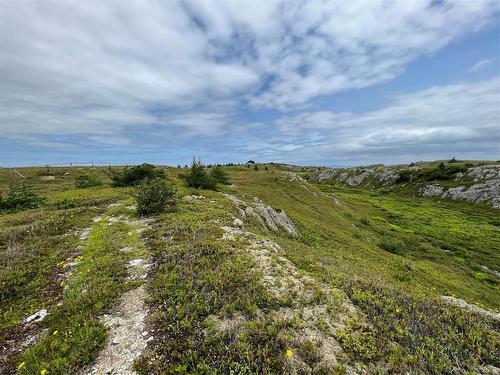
(479,184)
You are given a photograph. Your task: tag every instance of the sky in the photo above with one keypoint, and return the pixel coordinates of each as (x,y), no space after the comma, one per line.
(335,83)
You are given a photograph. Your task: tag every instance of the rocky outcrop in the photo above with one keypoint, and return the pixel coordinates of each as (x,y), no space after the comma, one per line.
(355,176)
(485,179)
(431,190)
(483,192)
(270,218)
(484,172)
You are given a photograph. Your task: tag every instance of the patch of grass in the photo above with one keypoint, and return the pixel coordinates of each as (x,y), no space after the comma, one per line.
(220,175)
(87,181)
(32,244)
(421,335)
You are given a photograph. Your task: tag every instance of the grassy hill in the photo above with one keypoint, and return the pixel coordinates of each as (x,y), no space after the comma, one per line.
(358,289)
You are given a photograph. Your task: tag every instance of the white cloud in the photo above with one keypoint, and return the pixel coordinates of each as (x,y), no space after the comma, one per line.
(443,120)
(480,65)
(101,70)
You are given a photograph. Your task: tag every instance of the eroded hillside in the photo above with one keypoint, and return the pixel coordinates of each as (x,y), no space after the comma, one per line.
(270,274)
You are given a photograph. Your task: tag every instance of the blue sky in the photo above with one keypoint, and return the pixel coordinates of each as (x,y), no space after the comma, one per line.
(317,83)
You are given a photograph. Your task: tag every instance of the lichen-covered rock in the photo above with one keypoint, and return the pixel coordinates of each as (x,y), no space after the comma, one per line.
(238,223)
(431,190)
(483,192)
(484,172)
(355,176)
(472,308)
(275,219)
(357,179)
(269,218)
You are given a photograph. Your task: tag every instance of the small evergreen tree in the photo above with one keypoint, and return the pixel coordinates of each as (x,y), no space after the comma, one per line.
(198,177)
(219,175)
(256,168)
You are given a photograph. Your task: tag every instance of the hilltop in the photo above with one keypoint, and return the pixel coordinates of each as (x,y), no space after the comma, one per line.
(289,270)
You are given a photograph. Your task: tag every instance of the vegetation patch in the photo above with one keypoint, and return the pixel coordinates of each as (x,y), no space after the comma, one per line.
(20,197)
(131,176)
(421,335)
(87,181)
(74,331)
(154,196)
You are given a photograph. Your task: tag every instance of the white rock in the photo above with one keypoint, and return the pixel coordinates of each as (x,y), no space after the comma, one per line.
(237,223)
(135,262)
(431,190)
(36,317)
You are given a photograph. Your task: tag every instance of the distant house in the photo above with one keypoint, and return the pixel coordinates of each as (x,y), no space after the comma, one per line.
(250,162)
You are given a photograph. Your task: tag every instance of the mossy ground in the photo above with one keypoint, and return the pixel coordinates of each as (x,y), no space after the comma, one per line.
(393,255)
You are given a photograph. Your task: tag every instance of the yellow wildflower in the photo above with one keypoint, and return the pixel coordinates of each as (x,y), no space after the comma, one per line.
(43,372)
(21,365)
(398,310)
(289,353)
(55,332)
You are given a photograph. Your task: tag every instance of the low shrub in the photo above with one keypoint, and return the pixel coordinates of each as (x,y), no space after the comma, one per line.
(198,177)
(131,176)
(358,339)
(83,182)
(404,176)
(66,204)
(441,172)
(421,335)
(364,220)
(20,197)
(391,244)
(154,196)
(219,175)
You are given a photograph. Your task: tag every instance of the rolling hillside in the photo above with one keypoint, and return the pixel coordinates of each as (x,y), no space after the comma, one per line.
(269,274)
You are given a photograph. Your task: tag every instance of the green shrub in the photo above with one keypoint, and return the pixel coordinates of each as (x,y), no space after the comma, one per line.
(131,176)
(198,177)
(65,204)
(364,220)
(391,244)
(358,339)
(20,197)
(87,181)
(443,172)
(404,176)
(154,196)
(219,175)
